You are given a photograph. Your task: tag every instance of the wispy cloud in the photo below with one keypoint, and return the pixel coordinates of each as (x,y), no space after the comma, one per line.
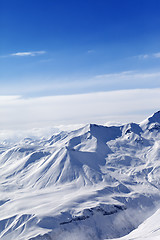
(90,51)
(24,54)
(148,56)
(156,55)
(143,56)
(103,82)
(129,75)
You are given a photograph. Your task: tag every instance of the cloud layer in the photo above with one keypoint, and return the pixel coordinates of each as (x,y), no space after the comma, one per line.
(120,106)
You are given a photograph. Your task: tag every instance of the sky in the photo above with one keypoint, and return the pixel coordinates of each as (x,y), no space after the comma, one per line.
(58,49)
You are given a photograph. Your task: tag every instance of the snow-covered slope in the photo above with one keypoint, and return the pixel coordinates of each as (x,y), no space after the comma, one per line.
(148,230)
(96,182)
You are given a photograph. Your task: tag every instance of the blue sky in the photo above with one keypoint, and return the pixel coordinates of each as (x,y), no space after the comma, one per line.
(72,41)
(59,47)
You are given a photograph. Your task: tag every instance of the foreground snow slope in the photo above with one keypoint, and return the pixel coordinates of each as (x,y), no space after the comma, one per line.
(148,230)
(93,183)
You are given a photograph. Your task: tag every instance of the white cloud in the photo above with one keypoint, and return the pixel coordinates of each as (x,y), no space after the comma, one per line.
(41,112)
(131,77)
(23,54)
(148,56)
(90,51)
(156,55)
(143,56)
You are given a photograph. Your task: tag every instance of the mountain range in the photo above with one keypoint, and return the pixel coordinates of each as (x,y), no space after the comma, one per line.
(93,183)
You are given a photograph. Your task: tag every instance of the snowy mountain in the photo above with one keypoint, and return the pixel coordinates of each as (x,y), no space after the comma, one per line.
(96,182)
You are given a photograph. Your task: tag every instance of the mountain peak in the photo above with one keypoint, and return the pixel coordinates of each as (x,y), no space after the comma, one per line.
(154,118)
(151,123)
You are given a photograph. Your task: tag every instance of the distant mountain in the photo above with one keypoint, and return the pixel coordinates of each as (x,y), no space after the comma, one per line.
(96,182)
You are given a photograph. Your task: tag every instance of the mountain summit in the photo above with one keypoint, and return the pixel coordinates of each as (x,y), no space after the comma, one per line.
(152,123)
(155,118)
